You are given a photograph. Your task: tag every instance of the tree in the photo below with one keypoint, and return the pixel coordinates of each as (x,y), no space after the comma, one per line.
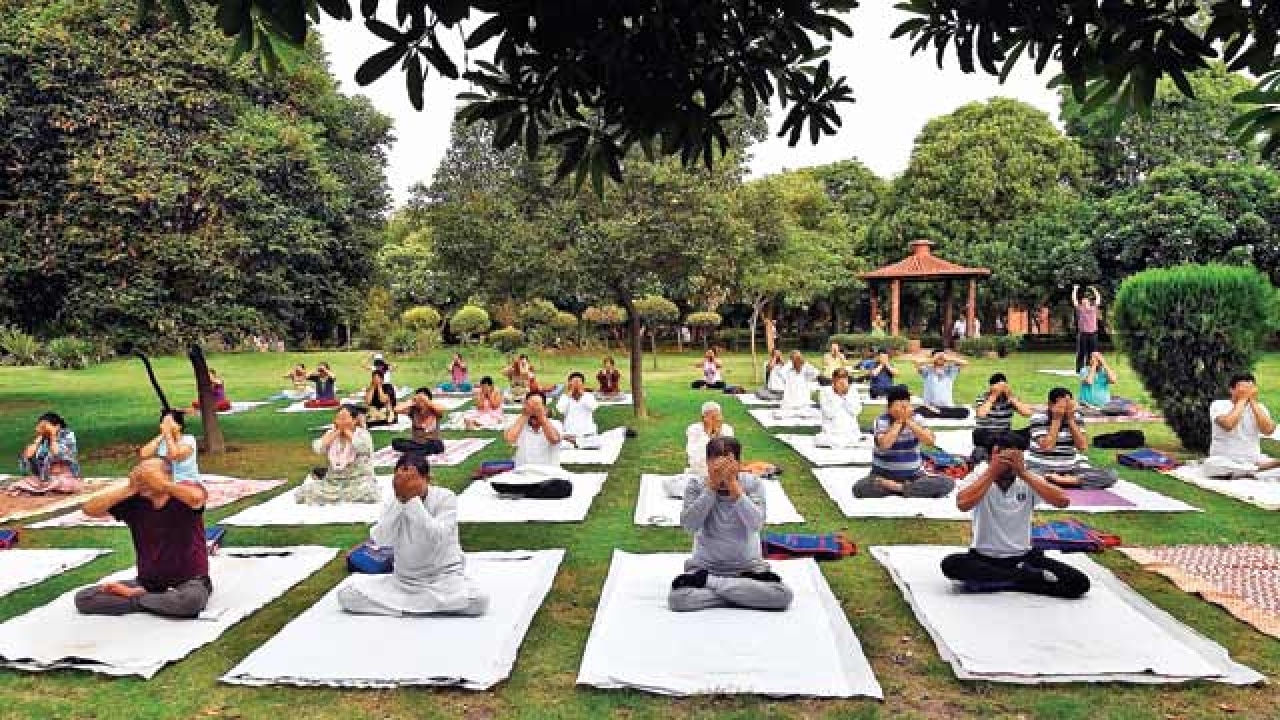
(1179,128)
(656,311)
(1190,213)
(608,317)
(469,321)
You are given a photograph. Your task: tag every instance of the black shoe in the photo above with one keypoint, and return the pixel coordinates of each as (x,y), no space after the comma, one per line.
(695,579)
(766,576)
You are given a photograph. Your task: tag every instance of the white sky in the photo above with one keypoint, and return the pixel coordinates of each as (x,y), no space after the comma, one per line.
(896,95)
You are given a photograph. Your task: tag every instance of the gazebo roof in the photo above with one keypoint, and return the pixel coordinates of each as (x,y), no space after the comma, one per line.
(922,264)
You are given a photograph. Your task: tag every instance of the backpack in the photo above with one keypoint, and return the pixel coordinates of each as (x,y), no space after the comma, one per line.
(369,559)
(1123,439)
(1071,536)
(784,546)
(1146,459)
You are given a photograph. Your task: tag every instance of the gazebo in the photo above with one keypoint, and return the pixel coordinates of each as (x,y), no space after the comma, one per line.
(923,266)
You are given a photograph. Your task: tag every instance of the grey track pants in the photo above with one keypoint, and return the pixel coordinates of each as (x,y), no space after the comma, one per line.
(924,486)
(184,601)
(731,592)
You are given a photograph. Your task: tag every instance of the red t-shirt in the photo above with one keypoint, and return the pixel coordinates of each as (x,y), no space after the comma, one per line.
(169,541)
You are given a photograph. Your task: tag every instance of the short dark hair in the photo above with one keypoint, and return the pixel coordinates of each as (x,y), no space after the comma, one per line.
(1241,377)
(997,378)
(576,374)
(724,445)
(536,393)
(839,373)
(486,380)
(416,460)
(1058,393)
(354,411)
(424,390)
(52,418)
(1010,439)
(378,374)
(898,392)
(177,415)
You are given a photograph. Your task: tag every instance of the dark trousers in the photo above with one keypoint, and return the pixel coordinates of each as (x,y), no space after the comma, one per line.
(879,392)
(1086,344)
(1023,572)
(955,413)
(184,601)
(699,384)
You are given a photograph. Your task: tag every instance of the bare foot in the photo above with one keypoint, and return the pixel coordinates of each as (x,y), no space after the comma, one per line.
(891,486)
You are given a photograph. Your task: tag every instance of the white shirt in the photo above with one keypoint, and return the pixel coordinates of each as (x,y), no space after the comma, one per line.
(840,412)
(1244,443)
(695,447)
(1002,520)
(958,328)
(579,418)
(795,384)
(532,447)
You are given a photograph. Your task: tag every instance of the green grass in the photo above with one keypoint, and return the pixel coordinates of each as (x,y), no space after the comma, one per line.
(113,411)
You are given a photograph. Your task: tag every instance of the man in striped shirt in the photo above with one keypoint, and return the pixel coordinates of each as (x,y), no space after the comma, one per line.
(896,466)
(1057,434)
(995,409)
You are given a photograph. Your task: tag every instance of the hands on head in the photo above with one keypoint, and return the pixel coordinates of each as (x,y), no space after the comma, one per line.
(722,476)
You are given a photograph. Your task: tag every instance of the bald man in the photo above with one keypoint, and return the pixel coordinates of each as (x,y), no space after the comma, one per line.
(166,520)
(797,393)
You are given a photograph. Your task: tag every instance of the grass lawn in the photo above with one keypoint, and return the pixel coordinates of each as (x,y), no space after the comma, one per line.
(113,411)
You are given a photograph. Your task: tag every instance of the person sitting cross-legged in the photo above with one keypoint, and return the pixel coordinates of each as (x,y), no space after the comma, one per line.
(487,412)
(166,521)
(176,446)
(326,388)
(1237,425)
(577,406)
(832,361)
(1057,435)
(380,399)
(535,436)
(349,477)
(712,378)
(459,380)
(425,415)
(725,513)
(940,373)
(840,408)
(49,463)
(882,376)
(1096,380)
(609,380)
(994,410)
(428,576)
(796,378)
(897,467)
(1001,557)
(772,389)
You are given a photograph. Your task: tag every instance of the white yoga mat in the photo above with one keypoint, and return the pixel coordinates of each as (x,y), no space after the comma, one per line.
(370,651)
(284,509)
(956,442)
(820,456)
(637,643)
(1059,373)
(55,636)
(22,567)
(607,454)
(480,504)
(300,407)
(866,399)
(1262,493)
(455,422)
(750,399)
(623,399)
(456,452)
(1111,634)
(402,392)
(656,508)
(838,482)
(240,407)
(767,418)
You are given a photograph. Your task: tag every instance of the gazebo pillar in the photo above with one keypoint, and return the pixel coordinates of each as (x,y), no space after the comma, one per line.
(875,303)
(973,302)
(948,315)
(895,291)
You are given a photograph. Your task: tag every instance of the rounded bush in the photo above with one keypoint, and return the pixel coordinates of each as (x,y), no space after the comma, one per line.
(605,315)
(564,321)
(537,313)
(422,317)
(657,310)
(703,320)
(469,321)
(1187,330)
(506,339)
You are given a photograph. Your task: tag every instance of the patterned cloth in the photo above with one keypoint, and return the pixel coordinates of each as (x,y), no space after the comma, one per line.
(53,469)
(1244,579)
(221,490)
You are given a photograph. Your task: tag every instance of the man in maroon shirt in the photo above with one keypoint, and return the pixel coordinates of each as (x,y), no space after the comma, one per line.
(166,520)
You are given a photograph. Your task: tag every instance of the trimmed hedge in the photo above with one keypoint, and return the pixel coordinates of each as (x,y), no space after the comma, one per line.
(1187,330)
(853,343)
(469,320)
(506,339)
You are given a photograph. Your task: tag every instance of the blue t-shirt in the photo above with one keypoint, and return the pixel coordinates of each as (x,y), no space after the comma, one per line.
(938,385)
(1098,393)
(883,381)
(900,462)
(189,469)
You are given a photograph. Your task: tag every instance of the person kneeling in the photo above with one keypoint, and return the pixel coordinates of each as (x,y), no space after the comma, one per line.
(725,513)
(897,467)
(1001,557)
(166,521)
(428,578)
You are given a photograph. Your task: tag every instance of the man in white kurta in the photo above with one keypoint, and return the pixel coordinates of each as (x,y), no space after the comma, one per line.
(840,408)
(797,378)
(421,524)
(1236,430)
(696,438)
(578,407)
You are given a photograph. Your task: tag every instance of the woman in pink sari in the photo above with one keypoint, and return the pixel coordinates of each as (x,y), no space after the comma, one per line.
(49,464)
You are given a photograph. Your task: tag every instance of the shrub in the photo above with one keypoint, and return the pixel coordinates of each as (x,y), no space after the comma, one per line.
(21,348)
(422,317)
(656,310)
(378,320)
(1186,330)
(565,322)
(506,339)
(1006,344)
(469,321)
(70,353)
(604,316)
(537,313)
(402,340)
(977,345)
(858,343)
(703,320)
(932,341)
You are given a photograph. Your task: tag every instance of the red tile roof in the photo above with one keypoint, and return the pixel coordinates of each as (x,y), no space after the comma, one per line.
(922,264)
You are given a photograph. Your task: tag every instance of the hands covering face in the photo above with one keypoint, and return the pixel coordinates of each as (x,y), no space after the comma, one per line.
(408,484)
(901,411)
(722,476)
(344,423)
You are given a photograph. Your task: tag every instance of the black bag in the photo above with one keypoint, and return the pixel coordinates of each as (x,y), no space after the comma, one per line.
(552,489)
(405,446)
(1123,440)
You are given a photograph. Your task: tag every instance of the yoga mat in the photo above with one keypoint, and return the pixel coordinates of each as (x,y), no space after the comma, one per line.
(1262,493)
(480,504)
(1096,497)
(866,399)
(19,507)
(624,399)
(655,507)
(300,407)
(607,454)
(475,653)
(222,492)
(284,509)
(767,418)
(965,422)
(956,442)
(22,567)
(637,643)
(821,456)
(1243,579)
(241,407)
(1059,373)
(55,636)
(455,422)
(456,452)
(1111,634)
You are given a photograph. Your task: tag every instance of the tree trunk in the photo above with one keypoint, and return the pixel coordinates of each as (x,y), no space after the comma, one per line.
(213,441)
(756,306)
(635,331)
(769,331)
(653,347)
